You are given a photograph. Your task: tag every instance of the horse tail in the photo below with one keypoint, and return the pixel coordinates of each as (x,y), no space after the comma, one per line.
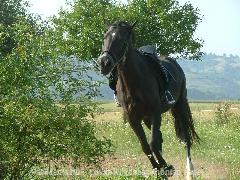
(184,125)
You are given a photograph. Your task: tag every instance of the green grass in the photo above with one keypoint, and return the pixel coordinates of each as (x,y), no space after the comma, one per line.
(218,152)
(195,105)
(209,105)
(216,157)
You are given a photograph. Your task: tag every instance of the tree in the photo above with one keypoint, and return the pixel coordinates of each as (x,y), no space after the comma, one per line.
(38,120)
(163,23)
(11,12)
(168,25)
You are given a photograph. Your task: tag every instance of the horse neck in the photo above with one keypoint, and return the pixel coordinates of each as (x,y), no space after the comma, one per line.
(131,71)
(129,68)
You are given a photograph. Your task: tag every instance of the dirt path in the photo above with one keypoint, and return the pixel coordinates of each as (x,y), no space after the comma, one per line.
(132,165)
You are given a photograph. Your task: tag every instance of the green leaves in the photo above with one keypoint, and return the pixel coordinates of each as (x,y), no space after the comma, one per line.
(163,23)
(45,99)
(82,27)
(167,25)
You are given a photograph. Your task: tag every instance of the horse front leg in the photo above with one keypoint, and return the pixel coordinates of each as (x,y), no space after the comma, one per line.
(148,123)
(139,131)
(156,144)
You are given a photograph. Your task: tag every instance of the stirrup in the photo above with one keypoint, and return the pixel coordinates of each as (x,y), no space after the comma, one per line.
(169,97)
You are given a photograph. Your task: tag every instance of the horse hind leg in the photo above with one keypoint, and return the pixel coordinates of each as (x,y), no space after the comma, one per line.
(184,127)
(189,165)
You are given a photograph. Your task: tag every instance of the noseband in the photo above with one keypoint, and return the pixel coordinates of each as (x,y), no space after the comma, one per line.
(113,58)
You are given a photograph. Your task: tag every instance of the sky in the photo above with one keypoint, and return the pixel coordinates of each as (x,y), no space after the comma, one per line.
(220,27)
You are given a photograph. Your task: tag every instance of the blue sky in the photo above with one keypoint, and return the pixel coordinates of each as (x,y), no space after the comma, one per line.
(220,27)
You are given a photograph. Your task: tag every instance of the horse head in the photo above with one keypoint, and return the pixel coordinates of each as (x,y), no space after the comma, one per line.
(117,40)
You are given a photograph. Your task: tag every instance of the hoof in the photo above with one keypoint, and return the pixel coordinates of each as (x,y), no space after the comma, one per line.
(169,170)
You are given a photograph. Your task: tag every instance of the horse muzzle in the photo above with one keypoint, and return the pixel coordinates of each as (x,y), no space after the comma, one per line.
(106,63)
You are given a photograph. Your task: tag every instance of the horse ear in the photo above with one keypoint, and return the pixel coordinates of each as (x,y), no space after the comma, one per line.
(133,25)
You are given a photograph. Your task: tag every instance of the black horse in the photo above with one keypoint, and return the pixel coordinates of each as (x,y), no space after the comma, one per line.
(140,92)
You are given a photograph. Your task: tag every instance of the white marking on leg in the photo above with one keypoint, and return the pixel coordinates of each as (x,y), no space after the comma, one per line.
(190,169)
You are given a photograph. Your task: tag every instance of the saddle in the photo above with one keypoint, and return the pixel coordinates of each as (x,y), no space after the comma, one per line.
(148,50)
(151,52)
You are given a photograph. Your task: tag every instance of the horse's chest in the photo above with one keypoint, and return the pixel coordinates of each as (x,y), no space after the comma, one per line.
(135,103)
(135,97)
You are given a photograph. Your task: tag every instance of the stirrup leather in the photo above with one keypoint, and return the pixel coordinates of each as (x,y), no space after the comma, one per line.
(164,72)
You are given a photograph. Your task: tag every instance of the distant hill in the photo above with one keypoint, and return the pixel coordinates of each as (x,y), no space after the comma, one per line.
(213,78)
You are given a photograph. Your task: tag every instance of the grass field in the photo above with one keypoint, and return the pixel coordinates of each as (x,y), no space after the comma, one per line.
(216,157)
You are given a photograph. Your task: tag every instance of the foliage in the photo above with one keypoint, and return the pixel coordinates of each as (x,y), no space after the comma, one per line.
(223,113)
(165,24)
(80,28)
(11,12)
(168,25)
(38,120)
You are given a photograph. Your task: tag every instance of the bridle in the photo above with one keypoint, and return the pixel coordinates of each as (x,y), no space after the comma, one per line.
(112,57)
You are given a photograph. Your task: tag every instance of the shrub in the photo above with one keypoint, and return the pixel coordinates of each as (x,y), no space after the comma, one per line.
(223,113)
(44,106)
